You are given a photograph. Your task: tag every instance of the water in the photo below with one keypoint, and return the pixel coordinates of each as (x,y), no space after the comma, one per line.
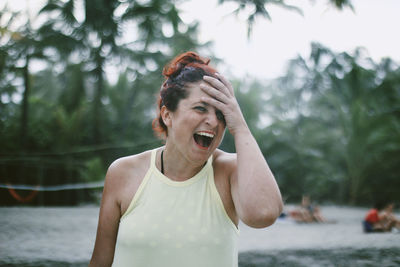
(64,236)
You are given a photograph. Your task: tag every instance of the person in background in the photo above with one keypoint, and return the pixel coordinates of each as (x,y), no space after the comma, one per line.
(317,215)
(380,219)
(179,205)
(308,213)
(303,214)
(390,221)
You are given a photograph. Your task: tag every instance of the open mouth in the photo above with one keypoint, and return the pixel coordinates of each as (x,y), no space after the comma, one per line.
(203,139)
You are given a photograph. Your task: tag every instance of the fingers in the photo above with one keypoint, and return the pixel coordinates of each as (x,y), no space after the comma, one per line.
(215,93)
(214,102)
(220,93)
(225,82)
(220,84)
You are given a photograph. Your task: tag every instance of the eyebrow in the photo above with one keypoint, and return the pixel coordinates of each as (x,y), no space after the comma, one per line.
(203,103)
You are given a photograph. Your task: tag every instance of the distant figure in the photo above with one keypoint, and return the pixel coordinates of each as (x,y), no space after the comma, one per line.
(380,219)
(307,212)
(317,216)
(389,217)
(303,213)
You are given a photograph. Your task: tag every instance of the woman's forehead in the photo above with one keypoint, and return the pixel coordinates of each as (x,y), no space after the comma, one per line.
(194,91)
(194,95)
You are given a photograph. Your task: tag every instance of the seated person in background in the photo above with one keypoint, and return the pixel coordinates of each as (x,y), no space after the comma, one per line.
(317,216)
(380,219)
(389,220)
(303,213)
(307,212)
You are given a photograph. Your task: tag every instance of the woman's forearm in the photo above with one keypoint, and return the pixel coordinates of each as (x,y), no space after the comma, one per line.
(257,191)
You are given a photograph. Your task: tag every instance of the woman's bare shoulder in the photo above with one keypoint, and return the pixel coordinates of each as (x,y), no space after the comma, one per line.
(224,158)
(124,177)
(126,169)
(128,163)
(224,161)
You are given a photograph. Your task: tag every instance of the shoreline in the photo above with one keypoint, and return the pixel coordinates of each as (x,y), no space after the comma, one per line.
(64,236)
(383,257)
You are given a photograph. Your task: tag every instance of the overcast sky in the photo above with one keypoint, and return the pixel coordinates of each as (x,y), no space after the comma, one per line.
(374,25)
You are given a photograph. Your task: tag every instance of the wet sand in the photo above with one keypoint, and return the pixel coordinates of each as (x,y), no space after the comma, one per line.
(373,257)
(64,236)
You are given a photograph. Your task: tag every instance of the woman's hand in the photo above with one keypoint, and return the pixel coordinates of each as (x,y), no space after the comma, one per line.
(222,97)
(255,193)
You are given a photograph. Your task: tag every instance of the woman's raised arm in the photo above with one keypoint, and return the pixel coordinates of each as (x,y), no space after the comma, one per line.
(255,193)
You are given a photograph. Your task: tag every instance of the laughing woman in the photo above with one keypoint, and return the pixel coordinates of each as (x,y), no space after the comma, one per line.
(179,205)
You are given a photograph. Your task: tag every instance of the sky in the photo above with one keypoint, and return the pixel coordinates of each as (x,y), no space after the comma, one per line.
(272,43)
(373,24)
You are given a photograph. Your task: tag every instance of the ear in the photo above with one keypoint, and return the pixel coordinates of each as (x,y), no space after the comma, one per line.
(166,116)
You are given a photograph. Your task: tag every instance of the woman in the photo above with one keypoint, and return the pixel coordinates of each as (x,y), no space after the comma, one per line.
(180,204)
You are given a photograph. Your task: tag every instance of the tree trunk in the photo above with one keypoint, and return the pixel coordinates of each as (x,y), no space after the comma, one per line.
(97,137)
(25,106)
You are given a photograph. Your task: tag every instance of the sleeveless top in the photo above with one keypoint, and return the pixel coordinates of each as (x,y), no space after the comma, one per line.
(176,224)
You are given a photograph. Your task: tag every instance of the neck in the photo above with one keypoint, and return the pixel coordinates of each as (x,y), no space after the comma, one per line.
(176,167)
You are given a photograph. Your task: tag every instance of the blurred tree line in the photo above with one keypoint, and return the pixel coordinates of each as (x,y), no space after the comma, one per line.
(328,128)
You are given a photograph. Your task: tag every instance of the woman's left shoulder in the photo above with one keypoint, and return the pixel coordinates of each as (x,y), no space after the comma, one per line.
(224,160)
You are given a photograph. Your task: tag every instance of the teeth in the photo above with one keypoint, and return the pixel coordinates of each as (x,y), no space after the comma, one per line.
(206,134)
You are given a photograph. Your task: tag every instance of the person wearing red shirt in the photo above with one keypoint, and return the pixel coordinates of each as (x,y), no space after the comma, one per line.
(380,219)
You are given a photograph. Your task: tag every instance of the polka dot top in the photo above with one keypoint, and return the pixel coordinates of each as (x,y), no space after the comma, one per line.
(176,224)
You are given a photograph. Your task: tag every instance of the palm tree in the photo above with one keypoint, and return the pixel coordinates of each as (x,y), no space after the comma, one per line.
(98,39)
(340,122)
(21,46)
(259,8)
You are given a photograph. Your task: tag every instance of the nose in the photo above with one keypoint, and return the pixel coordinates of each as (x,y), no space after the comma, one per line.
(212,119)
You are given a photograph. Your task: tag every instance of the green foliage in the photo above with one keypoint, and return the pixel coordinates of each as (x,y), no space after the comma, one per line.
(328,128)
(74,112)
(93,170)
(336,126)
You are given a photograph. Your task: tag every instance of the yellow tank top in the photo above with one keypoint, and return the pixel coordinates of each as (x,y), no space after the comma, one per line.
(176,224)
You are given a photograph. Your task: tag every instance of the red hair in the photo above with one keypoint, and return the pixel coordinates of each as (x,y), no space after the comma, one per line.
(187,67)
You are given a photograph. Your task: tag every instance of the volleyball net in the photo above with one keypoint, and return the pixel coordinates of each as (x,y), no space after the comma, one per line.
(63,178)
(39,188)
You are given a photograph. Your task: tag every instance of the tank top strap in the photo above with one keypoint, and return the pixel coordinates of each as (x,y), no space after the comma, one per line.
(209,167)
(209,161)
(153,159)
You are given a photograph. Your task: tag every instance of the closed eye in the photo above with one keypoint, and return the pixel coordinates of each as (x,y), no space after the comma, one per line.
(200,108)
(220,116)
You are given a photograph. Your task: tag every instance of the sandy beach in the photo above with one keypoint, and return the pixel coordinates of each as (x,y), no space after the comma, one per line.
(64,236)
